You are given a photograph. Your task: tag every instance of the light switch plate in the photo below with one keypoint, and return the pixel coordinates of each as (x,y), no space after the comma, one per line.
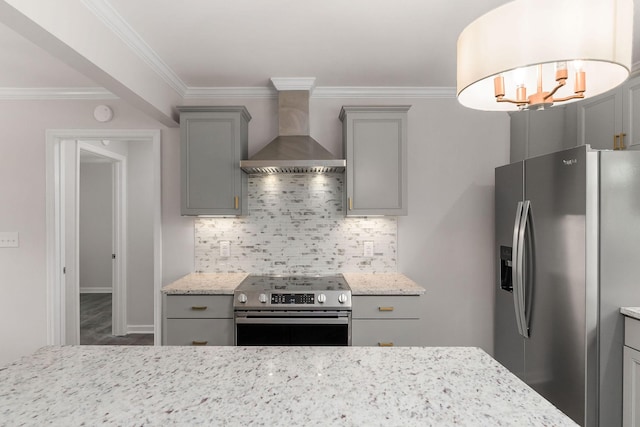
(9,239)
(225,248)
(368,248)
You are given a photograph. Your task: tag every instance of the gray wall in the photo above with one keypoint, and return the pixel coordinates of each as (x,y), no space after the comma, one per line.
(445,244)
(95,226)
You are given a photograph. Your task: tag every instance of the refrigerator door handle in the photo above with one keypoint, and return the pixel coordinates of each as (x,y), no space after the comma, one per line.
(520,285)
(515,274)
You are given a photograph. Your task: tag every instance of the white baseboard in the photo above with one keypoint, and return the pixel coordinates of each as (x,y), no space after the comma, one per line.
(96,289)
(139,329)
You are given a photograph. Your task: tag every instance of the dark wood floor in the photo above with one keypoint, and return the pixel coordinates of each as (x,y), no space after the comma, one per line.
(95,323)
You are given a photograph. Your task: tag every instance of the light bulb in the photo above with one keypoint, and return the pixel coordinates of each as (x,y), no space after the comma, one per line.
(518,76)
(578,64)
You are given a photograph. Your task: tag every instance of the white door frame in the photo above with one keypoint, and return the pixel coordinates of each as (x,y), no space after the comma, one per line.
(119,239)
(55,165)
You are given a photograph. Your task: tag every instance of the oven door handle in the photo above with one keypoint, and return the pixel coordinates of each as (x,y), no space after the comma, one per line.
(292,320)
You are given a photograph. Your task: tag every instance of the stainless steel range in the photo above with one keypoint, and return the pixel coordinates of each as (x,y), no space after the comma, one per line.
(292,310)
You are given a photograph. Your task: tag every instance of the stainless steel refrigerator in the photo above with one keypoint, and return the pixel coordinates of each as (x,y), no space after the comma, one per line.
(568,257)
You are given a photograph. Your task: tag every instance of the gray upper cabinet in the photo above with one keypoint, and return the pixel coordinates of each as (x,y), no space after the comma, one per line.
(600,120)
(213,141)
(607,122)
(375,147)
(534,133)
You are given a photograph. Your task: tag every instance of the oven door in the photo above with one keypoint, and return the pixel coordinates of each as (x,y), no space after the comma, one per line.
(295,328)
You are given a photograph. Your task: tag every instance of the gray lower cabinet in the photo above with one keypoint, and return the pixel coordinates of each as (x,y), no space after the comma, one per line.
(375,148)
(385,320)
(213,141)
(198,320)
(631,385)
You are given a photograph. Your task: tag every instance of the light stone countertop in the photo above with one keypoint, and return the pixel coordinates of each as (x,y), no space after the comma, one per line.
(268,386)
(382,284)
(631,312)
(360,284)
(205,284)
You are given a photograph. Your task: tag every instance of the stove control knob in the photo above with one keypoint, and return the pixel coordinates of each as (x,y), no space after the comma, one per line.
(262,298)
(322,298)
(242,298)
(342,298)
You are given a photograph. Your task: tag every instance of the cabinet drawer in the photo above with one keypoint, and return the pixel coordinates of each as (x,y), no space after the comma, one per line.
(381,333)
(199,332)
(199,306)
(632,333)
(386,307)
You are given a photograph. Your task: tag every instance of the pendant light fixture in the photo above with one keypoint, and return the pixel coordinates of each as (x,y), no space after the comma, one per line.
(532,54)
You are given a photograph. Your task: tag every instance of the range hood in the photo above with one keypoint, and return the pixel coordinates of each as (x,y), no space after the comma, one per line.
(293,151)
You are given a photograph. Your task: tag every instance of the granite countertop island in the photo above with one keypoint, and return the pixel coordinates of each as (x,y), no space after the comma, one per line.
(631,312)
(360,284)
(270,386)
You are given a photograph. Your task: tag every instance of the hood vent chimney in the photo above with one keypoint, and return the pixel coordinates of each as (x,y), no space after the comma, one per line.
(293,151)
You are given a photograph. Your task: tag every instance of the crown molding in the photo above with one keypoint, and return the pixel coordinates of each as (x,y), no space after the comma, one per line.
(106,13)
(58,93)
(323,92)
(384,92)
(62,93)
(229,92)
(294,83)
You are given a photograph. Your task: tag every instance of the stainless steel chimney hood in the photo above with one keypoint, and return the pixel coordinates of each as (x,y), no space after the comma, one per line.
(293,151)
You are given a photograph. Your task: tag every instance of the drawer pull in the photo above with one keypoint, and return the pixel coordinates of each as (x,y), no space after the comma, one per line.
(385,308)
(385,344)
(199,342)
(199,307)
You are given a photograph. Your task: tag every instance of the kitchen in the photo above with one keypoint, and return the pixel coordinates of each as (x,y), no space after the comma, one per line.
(453,153)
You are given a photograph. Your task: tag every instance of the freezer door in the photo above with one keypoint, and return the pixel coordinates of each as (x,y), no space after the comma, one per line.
(555,364)
(509,345)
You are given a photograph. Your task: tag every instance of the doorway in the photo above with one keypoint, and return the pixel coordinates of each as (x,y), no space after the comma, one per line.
(102,213)
(65,150)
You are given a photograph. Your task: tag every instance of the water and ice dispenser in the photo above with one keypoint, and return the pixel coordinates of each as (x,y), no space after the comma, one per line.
(505,269)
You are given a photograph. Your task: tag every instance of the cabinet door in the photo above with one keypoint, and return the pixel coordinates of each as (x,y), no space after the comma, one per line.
(199,306)
(631,119)
(199,332)
(385,333)
(600,120)
(535,133)
(212,144)
(631,392)
(376,154)
(386,307)
(519,135)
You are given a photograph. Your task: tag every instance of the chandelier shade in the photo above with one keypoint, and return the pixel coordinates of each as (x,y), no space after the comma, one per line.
(530,54)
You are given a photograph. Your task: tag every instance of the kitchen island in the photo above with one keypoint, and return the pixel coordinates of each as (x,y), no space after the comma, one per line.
(271,386)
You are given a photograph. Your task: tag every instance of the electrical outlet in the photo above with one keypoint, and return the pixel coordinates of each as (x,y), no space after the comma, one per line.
(9,239)
(225,248)
(368,248)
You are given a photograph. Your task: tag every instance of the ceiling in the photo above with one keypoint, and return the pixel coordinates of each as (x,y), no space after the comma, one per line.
(193,45)
(242,43)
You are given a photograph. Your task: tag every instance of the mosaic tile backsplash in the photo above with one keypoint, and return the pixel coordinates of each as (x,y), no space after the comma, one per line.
(296,225)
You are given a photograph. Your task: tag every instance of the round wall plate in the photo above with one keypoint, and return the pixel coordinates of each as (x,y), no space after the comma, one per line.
(103,113)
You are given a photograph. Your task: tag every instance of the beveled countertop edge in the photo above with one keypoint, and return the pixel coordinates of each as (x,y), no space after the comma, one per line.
(631,312)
